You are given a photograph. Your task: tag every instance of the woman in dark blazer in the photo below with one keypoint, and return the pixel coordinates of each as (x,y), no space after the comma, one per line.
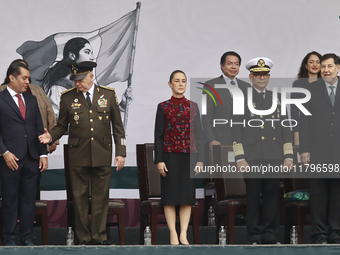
(178,151)
(309,72)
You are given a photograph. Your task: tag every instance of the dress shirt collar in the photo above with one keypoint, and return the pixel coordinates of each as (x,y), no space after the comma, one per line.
(259,91)
(335,85)
(15,98)
(91,90)
(12,92)
(228,80)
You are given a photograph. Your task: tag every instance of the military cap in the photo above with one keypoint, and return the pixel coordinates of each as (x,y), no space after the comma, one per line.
(256,65)
(81,69)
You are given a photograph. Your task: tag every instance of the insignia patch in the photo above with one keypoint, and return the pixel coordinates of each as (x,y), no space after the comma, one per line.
(75,106)
(102,102)
(261,63)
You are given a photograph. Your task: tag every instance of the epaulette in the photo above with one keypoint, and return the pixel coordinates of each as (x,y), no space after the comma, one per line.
(105,87)
(65,91)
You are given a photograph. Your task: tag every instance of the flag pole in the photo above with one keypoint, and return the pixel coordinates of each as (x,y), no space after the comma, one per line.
(129,80)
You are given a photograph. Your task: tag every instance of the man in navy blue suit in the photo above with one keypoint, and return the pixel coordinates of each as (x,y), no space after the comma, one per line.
(22,155)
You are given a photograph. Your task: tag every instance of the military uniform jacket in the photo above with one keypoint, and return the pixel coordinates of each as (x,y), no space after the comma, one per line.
(90,139)
(270,141)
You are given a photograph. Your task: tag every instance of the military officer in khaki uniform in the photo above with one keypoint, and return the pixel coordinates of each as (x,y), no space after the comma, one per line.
(89,109)
(267,144)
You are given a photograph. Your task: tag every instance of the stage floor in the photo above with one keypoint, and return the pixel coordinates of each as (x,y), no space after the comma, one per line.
(175,250)
(207,236)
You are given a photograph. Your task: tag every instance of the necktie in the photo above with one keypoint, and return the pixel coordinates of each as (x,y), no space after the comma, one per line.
(88,99)
(331,95)
(262,94)
(232,83)
(22,107)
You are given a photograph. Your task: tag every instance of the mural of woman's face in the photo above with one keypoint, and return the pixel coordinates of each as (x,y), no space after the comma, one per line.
(85,54)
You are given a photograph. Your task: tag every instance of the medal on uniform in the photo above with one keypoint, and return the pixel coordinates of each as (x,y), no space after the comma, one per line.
(75,105)
(100,117)
(107,117)
(102,102)
(76,118)
(76,100)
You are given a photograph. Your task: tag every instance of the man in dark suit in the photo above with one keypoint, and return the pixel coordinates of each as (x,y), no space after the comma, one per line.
(21,154)
(320,144)
(220,134)
(89,110)
(260,142)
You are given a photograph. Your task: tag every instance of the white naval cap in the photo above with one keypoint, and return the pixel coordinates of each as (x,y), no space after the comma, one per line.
(259,65)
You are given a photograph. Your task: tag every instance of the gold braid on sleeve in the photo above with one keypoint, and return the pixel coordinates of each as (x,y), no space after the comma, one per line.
(238,149)
(287,148)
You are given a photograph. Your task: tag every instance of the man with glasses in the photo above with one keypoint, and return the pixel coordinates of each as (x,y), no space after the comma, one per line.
(260,141)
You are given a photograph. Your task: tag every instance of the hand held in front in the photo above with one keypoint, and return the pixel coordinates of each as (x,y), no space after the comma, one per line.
(45,137)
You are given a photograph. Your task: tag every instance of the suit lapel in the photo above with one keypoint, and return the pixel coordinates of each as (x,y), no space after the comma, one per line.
(337,95)
(225,92)
(95,96)
(82,99)
(8,98)
(324,92)
(268,99)
(258,99)
(28,104)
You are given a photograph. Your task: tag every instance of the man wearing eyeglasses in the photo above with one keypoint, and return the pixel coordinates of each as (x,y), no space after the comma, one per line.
(261,142)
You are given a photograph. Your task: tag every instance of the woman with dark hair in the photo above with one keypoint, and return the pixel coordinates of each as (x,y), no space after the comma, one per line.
(57,80)
(308,73)
(178,151)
